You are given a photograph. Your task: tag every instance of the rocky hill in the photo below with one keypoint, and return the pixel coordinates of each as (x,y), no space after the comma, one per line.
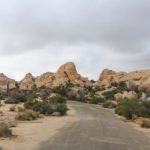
(140,78)
(65,73)
(27,82)
(68,72)
(6,83)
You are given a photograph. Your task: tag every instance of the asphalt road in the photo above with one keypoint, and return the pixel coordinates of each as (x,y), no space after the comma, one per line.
(96,129)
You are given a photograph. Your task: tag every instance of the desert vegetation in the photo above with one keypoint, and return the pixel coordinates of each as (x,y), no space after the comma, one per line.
(131,108)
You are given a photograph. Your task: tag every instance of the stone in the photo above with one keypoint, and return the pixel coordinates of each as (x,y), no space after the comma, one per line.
(27,82)
(133,79)
(6,83)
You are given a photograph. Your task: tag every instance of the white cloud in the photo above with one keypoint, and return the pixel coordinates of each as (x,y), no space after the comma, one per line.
(38,36)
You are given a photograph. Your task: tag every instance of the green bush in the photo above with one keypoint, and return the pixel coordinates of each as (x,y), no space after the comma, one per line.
(60,90)
(43,108)
(109,94)
(57,99)
(61,108)
(95,100)
(133,107)
(119,110)
(31,95)
(29,104)
(12,101)
(145,124)
(28,115)
(16,99)
(109,104)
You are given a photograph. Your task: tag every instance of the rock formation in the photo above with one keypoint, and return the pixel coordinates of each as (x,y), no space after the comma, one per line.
(6,83)
(65,73)
(140,78)
(27,82)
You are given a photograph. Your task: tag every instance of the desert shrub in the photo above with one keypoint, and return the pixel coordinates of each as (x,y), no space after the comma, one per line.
(61,108)
(110,94)
(43,108)
(95,100)
(16,99)
(60,90)
(31,95)
(146,109)
(20,98)
(122,86)
(109,104)
(12,101)
(57,99)
(120,110)
(29,104)
(28,115)
(145,124)
(4,130)
(133,107)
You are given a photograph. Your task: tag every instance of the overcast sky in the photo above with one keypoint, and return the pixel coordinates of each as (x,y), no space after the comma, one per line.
(40,35)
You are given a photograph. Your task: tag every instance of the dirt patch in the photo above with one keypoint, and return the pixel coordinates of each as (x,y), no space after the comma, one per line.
(29,134)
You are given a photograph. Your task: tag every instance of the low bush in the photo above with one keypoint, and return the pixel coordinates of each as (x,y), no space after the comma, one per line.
(43,108)
(133,107)
(28,115)
(12,101)
(145,124)
(110,94)
(57,99)
(29,104)
(61,89)
(4,130)
(109,104)
(61,108)
(95,100)
(16,99)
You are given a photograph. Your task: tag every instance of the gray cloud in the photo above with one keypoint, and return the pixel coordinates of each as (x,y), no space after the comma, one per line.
(40,35)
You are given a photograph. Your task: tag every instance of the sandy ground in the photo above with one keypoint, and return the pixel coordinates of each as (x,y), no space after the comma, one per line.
(28,135)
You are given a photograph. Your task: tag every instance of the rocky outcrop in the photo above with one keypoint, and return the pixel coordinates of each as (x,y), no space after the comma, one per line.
(45,80)
(65,73)
(6,83)
(27,82)
(140,78)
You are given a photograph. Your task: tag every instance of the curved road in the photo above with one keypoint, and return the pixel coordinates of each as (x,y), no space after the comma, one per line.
(96,129)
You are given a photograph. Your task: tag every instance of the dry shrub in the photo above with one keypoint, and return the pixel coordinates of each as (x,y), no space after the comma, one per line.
(4,130)
(28,115)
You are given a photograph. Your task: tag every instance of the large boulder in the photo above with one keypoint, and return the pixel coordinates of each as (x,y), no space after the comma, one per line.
(45,80)
(27,82)
(6,83)
(129,95)
(68,70)
(66,73)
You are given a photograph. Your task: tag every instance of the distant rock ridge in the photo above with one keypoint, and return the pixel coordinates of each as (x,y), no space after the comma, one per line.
(66,72)
(141,77)
(6,83)
(27,82)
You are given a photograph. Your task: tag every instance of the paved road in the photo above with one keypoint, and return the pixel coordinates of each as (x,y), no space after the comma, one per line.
(96,129)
